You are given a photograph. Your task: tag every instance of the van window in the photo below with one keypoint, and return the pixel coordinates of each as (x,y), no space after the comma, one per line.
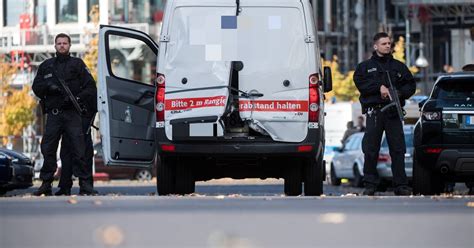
(131,59)
(207,39)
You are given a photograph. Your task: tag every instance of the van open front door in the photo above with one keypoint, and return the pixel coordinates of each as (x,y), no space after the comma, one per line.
(126,75)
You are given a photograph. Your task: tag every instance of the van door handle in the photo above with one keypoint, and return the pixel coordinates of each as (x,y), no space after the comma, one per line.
(146,94)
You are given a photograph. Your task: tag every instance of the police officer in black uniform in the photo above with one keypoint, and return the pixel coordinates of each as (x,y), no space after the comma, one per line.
(65,181)
(62,119)
(370,79)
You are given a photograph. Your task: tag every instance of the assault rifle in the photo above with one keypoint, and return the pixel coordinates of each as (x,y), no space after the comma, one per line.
(69,94)
(394,100)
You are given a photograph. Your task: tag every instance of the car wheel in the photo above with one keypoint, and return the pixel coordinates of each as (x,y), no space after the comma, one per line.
(424,182)
(185,183)
(293,180)
(143,175)
(313,183)
(358,178)
(333,178)
(165,175)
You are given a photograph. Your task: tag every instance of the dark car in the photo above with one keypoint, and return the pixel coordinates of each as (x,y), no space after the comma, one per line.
(444,135)
(16,171)
(120,172)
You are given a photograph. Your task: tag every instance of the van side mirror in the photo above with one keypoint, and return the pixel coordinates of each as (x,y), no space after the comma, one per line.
(327,80)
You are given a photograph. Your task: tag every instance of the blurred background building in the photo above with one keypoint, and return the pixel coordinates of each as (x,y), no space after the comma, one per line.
(438,33)
(443,30)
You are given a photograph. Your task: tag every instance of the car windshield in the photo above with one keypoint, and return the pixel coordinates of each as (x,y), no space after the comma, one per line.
(455,88)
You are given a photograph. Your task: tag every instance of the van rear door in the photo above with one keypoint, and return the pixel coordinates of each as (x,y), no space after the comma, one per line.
(276,64)
(126,73)
(200,44)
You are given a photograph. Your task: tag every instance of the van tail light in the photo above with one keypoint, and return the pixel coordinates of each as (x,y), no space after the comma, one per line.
(313,98)
(168,148)
(160,97)
(384,158)
(305,148)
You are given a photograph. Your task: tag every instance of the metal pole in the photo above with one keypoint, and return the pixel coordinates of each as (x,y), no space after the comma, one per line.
(408,35)
(359,25)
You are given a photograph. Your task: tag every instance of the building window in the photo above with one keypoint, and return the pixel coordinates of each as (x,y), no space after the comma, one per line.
(66,11)
(90,4)
(134,11)
(40,11)
(12,9)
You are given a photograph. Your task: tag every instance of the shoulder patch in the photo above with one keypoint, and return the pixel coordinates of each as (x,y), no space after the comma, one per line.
(372,69)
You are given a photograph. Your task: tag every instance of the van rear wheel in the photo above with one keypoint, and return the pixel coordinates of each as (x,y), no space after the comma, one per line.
(165,176)
(293,180)
(185,183)
(313,183)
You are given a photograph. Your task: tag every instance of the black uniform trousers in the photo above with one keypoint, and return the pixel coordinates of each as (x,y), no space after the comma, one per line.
(67,124)
(376,123)
(65,181)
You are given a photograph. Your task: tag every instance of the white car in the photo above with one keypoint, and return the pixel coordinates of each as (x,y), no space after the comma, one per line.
(349,162)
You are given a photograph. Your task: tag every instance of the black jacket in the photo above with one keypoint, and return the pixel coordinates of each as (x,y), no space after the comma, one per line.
(370,75)
(77,77)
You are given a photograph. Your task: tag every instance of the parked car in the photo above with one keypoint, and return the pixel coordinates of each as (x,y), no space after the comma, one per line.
(329,152)
(16,171)
(213,112)
(444,135)
(120,172)
(349,163)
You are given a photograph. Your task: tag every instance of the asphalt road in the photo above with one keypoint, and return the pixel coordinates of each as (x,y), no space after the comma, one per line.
(128,214)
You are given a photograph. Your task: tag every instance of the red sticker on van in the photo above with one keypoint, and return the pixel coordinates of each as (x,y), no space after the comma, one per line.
(273,105)
(197,102)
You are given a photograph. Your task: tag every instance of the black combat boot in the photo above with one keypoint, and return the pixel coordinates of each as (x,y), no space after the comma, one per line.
(402,190)
(369,190)
(44,189)
(86,188)
(63,191)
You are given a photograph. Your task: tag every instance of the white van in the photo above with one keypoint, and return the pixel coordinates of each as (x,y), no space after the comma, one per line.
(238,92)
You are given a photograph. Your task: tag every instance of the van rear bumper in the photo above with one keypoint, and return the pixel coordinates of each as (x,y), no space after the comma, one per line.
(310,147)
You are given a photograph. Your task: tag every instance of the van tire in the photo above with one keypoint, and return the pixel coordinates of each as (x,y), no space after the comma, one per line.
(185,183)
(293,186)
(165,175)
(313,172)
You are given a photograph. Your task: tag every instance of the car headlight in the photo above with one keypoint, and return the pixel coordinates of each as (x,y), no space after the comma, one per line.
(432,116)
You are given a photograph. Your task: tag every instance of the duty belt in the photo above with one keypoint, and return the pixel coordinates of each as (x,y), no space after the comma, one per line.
(377,106)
